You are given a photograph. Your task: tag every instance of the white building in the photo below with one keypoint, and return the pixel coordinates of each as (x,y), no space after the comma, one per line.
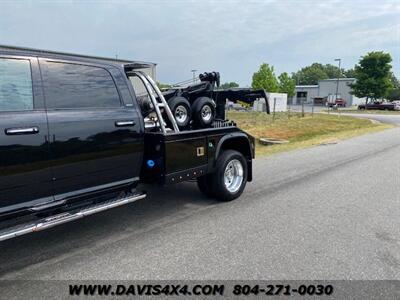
(279,100)
(305,93)
(318,93)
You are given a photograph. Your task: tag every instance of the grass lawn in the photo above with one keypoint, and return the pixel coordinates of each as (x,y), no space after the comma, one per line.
(301,132)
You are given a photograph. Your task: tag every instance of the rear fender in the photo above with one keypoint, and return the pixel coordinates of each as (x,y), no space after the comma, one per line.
(240,142)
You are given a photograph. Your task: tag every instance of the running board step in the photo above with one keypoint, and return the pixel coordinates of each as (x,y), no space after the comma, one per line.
(66,217)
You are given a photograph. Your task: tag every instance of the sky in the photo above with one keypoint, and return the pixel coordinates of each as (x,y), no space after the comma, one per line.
(232,37)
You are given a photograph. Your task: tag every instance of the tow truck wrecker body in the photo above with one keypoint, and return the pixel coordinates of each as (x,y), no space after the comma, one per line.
(77,139)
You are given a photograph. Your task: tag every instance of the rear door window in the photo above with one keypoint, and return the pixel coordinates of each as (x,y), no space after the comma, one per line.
(15,85)
(79,86)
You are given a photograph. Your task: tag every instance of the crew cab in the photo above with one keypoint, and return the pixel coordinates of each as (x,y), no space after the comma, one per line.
(80,134)
(377,105)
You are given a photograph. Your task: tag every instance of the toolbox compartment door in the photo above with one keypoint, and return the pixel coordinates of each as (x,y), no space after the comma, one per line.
(185,154)
(174,158)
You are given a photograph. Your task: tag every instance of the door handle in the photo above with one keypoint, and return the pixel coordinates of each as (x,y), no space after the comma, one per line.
(23,130)
(125,123)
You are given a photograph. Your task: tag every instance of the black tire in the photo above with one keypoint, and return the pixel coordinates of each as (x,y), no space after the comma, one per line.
(219,189)
(180,104)
(206,105)
(205,185)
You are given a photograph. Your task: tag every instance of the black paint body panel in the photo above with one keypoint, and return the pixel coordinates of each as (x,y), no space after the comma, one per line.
(87,149)
(77,154)
(176,157)
(25,177)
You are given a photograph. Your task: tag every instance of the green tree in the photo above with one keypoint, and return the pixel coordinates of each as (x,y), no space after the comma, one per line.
(163,85)
(286,84)
(310,74)
(265,79)
(228,85)
(315,72)
(350,73)
(333,71)
(373,76)
(394,92)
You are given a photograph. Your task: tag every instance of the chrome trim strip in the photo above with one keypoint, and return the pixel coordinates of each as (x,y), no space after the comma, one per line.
(66,217)
(95,188)
(27,130)
(47,205)
(124,123)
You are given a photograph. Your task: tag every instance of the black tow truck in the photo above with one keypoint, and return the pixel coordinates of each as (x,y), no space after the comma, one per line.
(79,134)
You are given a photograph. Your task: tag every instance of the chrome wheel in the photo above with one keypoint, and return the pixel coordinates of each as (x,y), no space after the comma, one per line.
(233,176)
(206,113)
(181,114)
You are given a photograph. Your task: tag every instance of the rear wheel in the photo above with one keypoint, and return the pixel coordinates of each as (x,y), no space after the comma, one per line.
(203,111)
(230,177)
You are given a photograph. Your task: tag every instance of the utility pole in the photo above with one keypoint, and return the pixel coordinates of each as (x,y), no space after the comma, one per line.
(298,84)
(337,83)
(273,115)
(194,75)
(312,109)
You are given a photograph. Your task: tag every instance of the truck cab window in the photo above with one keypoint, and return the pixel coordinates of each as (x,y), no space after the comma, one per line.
(70,86)
(142,96)
(15,85)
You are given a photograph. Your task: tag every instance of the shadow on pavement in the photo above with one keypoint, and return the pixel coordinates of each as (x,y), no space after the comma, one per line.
(162,206)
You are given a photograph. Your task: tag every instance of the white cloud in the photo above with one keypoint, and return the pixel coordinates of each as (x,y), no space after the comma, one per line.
(231,36)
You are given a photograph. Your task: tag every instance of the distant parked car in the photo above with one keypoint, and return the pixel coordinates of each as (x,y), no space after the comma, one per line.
(378,106)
